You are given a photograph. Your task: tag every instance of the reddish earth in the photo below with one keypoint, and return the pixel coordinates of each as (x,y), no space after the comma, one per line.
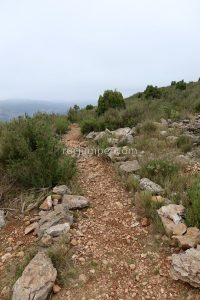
(115,257)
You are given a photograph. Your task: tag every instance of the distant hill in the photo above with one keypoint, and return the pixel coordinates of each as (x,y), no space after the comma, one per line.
(13,108)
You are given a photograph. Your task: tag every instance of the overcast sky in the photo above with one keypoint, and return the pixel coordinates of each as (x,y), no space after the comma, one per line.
(73,50)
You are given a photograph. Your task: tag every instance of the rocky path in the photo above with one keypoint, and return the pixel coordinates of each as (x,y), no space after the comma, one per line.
(115,257)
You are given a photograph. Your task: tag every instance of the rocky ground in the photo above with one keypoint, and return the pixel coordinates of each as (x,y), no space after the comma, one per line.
(115,255)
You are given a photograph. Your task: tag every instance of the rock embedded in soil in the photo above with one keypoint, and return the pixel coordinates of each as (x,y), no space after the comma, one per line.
(180,229)
(61,190)
(129,166)
(47,204)
(74,202)
(150,186)
(173,212)
(186,266)
(60,215)
(37,279)
(190,239)
(58,229)
(31,227)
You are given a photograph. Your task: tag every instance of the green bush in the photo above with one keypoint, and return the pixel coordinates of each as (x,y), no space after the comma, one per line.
(192,215)
(89,106)
(88,125)
(152,92)
(184,143)
(147,207)
(160,170)
(148,127)
(110,99)
(32,154)
(61,124)
(181,85)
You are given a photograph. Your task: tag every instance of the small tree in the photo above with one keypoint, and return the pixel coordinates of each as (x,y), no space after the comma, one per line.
(110,99)
(89,107)
(152,92)
(181,85)
(73,113)
(173,83)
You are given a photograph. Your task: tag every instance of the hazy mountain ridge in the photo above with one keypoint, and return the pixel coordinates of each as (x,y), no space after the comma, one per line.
(13,108)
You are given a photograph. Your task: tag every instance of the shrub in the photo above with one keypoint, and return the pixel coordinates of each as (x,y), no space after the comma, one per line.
(173,83)
(110,99)
(149,127)
(184,143)
(132,183)
(60,255)
(192,214)
(160,170)
(73,113)
(88,125)
(148,208)
(32,154)
(89,106)
(61,124)
(181,85)
(152,92)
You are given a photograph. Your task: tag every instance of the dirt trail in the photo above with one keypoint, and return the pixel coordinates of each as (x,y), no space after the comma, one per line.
(116,258)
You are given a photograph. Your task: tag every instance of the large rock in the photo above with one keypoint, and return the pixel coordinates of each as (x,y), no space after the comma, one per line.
(186,266)
(61,190)
(126,139)
(171,217)
(91,135)
(149,186)
(101,135)
(58,229)
(113,153)
(120,132)
(2,219)
(173,212)
(74,202)
(37,279)
(60,215)
(129,166)
(190,239)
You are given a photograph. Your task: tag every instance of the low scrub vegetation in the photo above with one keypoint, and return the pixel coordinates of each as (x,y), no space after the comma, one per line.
(184,143)
(31,153)
(173,102)
(192,203)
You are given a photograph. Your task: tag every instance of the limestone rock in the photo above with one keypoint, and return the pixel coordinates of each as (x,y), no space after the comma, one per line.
(2,219)
(186,266)
(129,166)
(190,239)
(51,218)
(158,199)
(74,202)
(149,186)
(46,241)
(180,229)
(58,229)
(47,204)
(173,212)
(31,227)
(120,132)
(126,139)
(168,225)
(91,135)
(37,279)
(61,190)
